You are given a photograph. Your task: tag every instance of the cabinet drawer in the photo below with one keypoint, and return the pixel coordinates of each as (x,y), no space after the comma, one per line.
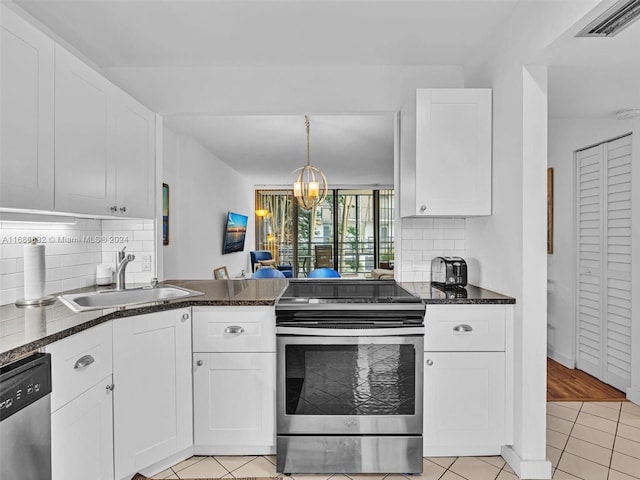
(234,329)
(465,328)
(78,362)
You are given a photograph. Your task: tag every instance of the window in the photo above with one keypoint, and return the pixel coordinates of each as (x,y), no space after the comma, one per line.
(351,231)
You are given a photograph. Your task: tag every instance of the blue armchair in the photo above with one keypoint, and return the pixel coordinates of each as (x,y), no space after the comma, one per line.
(258,256)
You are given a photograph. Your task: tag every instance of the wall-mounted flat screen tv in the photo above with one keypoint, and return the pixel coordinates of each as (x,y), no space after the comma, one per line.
(234,233)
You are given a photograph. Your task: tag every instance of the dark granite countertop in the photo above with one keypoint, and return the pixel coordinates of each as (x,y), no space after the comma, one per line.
(469,295)
(24,330)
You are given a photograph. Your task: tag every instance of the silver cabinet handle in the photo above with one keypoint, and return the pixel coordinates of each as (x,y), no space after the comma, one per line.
(123,209)
(114,208)
(234,329)
(84,362)
(423,208)
(185,316)
(199,363)
(429,362)
(110,387)
(463,328)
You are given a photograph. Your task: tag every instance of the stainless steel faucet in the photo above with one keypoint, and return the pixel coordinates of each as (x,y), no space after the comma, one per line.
(121,266)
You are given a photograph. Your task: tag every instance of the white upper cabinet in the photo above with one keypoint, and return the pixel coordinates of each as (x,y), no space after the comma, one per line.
(83,169)
(26,109)
(105,149)
(451,173)
(132,154)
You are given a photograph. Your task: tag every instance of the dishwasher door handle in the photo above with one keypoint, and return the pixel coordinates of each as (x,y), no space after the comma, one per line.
(83,362)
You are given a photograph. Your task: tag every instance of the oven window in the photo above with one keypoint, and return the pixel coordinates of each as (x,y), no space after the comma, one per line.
(350,379)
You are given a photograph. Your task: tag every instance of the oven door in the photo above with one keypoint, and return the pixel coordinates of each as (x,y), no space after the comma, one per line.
(349,381)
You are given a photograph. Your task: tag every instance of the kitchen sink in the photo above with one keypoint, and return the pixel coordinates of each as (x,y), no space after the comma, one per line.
(80,302)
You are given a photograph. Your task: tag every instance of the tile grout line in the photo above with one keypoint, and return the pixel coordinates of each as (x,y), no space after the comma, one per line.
(615,437)
(553,472)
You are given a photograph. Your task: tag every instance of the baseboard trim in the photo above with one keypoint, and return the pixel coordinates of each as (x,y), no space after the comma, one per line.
(633,395)
(162,465)
(461,451)
(561,359)
(234,449)
(530,469)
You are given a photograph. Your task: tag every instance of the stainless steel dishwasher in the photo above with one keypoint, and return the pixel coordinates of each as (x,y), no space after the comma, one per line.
(25,418)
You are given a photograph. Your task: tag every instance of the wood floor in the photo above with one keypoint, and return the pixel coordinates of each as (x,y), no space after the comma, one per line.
(565,384)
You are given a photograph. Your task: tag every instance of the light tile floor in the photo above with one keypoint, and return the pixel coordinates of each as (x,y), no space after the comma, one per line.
(588,441)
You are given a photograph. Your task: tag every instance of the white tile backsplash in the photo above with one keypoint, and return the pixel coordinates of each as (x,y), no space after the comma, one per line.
(426,238)
(73,252)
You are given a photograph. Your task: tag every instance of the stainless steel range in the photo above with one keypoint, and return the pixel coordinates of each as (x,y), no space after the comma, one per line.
(349,377)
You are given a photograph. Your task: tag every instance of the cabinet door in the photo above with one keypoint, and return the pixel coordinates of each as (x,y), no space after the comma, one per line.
(82,436)
(26,109)
(84,177)
(153,390)
(132,151)
(453,152)
(464,403)
(234,403)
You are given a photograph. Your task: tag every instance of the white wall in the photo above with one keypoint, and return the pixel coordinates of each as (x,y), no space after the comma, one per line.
(202,190)
(565,137)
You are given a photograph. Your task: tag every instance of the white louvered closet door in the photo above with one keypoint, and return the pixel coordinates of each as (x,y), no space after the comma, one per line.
(604,261)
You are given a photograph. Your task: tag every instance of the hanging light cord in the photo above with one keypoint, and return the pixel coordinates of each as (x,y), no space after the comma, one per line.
(307,124)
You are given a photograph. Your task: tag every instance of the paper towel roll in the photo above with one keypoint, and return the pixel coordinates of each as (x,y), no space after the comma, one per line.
(34,271)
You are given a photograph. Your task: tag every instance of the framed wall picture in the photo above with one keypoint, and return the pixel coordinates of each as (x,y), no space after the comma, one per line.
(165,214)
(220,273)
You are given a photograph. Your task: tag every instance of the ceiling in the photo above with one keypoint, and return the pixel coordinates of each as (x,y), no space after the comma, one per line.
(188,33)
(170,54)
(594,77)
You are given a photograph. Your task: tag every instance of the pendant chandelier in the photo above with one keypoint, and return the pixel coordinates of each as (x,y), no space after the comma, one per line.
(310,186)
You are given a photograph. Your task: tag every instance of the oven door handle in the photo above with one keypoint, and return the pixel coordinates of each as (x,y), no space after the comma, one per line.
(349,332)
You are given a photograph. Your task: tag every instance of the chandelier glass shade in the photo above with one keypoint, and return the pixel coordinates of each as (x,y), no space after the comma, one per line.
(310,186)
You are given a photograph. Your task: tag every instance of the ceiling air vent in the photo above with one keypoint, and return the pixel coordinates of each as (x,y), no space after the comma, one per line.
(614,20)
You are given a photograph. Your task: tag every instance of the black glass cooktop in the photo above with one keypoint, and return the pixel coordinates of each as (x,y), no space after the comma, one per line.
(345,291)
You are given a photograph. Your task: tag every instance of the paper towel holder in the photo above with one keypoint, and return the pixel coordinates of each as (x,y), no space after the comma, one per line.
(35,302)
(38,302)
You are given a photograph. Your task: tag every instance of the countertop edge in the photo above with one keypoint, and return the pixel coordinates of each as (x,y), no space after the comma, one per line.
(28,348)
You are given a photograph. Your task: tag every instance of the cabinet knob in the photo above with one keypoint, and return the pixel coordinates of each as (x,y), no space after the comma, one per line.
(429,362)
(185,316)
(199,363)
(123,209)
(423,208)
(110,387)
(234,329)
(463,328)
(114,208)
(84,362)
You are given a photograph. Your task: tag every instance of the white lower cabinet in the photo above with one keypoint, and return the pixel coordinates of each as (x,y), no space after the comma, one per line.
(234,403)
(82,436)
(468,387)
(464,403)
(81,405)
(234,380)
(153,389)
